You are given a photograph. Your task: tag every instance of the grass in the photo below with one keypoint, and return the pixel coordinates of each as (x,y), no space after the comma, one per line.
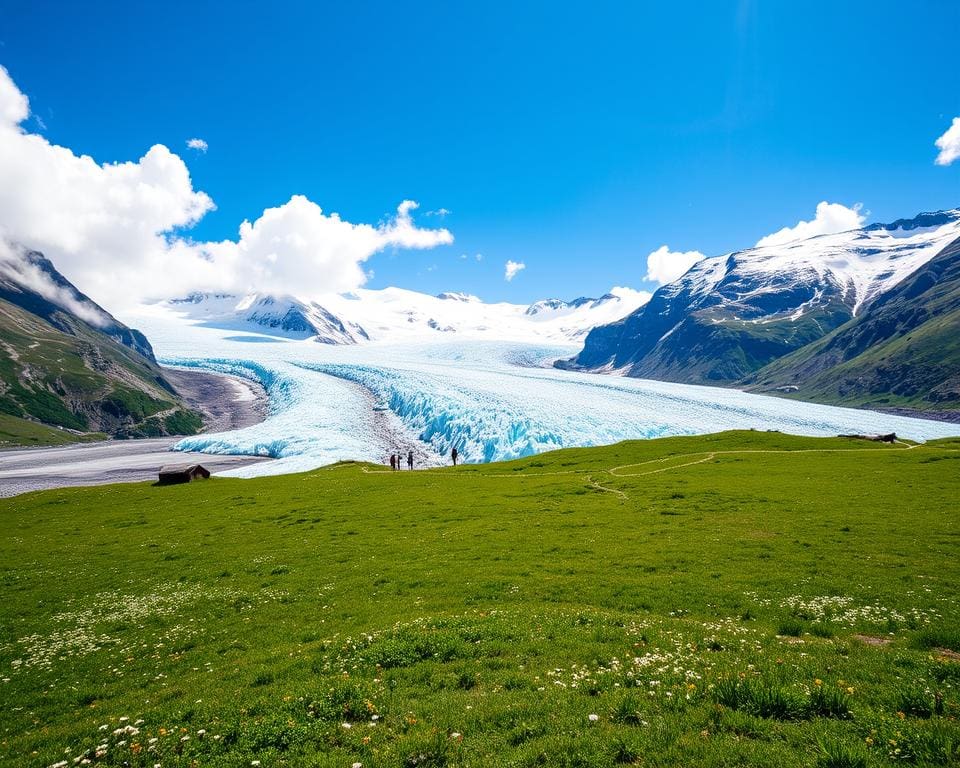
(542,612)
(15,431)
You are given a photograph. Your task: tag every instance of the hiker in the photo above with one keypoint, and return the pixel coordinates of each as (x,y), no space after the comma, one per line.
(453,455)
(393,461)
(410,460)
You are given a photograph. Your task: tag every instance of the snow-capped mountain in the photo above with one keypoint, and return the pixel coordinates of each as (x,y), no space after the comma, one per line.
(729,315)
(275,315)
(900,351)
(394,314)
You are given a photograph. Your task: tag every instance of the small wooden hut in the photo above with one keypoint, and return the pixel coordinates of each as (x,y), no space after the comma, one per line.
(171,474)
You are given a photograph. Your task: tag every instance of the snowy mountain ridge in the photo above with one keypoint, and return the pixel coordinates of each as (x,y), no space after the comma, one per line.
(729,315)
(861,263)
(399,314)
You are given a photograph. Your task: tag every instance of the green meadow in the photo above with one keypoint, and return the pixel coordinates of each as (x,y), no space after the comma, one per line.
(735,599)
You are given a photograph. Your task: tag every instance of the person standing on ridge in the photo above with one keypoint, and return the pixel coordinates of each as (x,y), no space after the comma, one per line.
(410,460)
(453,455)
(393,461)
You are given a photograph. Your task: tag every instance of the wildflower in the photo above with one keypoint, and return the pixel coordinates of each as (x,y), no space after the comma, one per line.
(348,726)
(593,718)
(357,765)
(456,736)
(818,681)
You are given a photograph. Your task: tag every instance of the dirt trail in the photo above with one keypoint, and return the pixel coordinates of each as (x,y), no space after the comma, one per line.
(704,456)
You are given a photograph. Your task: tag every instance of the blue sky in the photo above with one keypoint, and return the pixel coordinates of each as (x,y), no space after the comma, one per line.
(575,138)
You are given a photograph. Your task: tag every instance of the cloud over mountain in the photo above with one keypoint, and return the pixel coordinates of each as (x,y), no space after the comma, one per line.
(664,266)
(830,218)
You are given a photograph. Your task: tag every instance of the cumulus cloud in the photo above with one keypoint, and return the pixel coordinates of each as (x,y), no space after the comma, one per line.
(198,144)
(830,218)
(664,266)
(14,105)
(117,229)
(630,295)
(297,248)
(949,144)
(511,268)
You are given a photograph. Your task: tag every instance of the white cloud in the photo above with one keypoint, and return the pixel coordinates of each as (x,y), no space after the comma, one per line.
(198,144)
(829,219)
(441,212)
(949,144)
(630,295)
(115,229)
(14,106)
(664,266)
(297,248)
(511,268)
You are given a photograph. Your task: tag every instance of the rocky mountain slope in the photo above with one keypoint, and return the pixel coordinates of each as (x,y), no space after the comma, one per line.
(66,362)
(903,350)
(730,315)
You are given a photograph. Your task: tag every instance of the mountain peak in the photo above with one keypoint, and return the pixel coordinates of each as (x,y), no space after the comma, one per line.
(729,315)
(920,221)
(457,296)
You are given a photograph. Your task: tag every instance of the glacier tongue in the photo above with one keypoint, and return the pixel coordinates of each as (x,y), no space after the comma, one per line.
(487,399)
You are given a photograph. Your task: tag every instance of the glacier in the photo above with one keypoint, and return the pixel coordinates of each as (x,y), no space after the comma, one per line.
(492,400)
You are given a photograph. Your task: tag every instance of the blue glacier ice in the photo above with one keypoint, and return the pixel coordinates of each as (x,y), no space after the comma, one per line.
(491,400)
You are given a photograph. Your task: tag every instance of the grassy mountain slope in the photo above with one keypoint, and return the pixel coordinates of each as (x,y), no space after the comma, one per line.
(65,362)
(691,335)
(902,351)
(736,599)
(15,431)
(80,379)
(715,346)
